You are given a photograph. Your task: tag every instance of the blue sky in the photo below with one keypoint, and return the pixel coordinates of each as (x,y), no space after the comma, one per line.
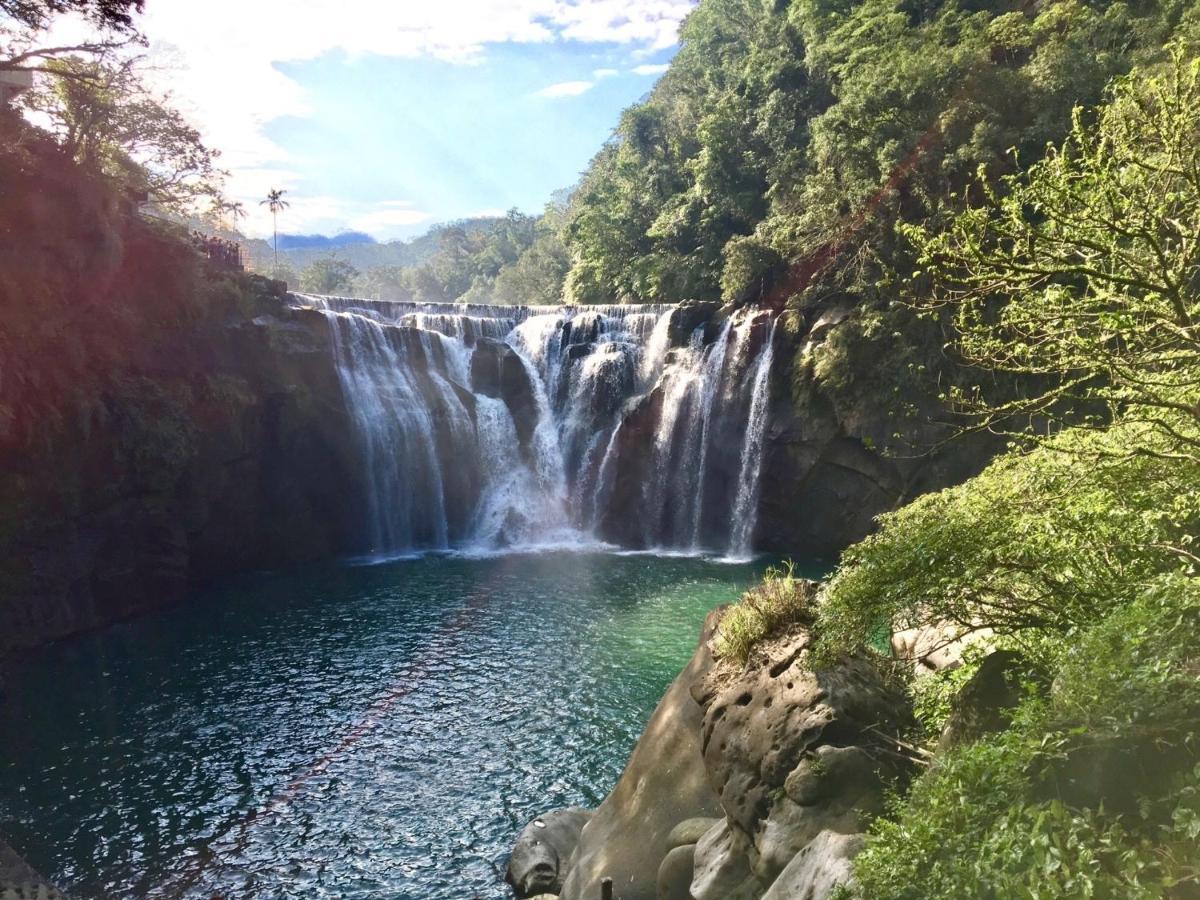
(388,116)
(451,140)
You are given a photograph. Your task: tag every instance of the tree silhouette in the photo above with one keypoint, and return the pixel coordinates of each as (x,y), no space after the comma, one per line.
(275,203)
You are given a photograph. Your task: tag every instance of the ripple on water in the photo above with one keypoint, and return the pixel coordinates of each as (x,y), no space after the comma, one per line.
(141,761)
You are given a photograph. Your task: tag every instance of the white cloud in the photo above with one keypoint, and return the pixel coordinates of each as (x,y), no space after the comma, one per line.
(323,214)
(219,57)
(650,69)
(566,89)
(604,73)
(388,216)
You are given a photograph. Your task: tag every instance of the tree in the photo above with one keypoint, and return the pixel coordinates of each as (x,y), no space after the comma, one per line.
(328,276)
(106,118)
(287,275)
(115,15)
(22,21)
(538,273)
(1081,274)
(276,204)
(385,283)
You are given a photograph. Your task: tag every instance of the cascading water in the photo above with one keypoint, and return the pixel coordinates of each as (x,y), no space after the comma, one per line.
(490,427)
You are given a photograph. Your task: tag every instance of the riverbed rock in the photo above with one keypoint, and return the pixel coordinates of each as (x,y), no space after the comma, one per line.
(539,857)
(675,873)
(689,831)
(664,783)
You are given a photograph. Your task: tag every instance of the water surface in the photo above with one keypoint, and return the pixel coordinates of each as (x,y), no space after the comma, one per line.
(370,731)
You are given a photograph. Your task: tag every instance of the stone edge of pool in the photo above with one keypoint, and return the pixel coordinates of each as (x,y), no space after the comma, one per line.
(19,880)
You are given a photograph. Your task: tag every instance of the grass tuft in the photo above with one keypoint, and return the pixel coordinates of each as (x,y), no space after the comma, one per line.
(782,599)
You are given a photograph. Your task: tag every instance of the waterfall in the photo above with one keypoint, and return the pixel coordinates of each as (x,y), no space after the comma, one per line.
(745,509)
(484,428)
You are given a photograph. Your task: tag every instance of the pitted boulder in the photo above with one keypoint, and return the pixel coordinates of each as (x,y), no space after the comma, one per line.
(819,869)
(538,862)
(793,754)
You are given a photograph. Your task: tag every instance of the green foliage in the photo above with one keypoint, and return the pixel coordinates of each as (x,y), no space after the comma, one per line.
(328,276)
(1045,541)
(1094,791)
(513,259)
(779,600)
(116,15)
(1078,274)
(1082,271)
(784,127)
(107,119)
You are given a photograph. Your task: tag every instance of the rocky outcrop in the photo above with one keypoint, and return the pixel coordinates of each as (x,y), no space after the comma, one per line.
(538,860)
(164,420)
(829,425)
(232,456)
(664,784)
(985,703)
(497,371)
(795,763)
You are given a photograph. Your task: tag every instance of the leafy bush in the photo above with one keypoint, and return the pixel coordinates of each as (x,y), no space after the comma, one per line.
(1094,791)
(1043,542)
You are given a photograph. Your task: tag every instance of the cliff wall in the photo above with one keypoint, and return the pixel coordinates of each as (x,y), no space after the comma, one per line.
(163,422)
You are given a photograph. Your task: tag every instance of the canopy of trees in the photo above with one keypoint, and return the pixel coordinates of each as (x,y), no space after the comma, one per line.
(1080,273)
(112,14)
(514,259)
(107,119)
(803,131)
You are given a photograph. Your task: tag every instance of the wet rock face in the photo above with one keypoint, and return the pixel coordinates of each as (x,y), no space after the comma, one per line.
(828,477)
(539,858)
(793,754)
(497,371)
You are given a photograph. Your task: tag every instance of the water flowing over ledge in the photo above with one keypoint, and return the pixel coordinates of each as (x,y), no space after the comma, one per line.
(487,428)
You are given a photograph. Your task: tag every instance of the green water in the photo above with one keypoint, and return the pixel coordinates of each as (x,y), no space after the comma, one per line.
(379,731)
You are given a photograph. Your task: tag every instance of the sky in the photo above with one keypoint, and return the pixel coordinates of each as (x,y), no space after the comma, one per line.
(387,117)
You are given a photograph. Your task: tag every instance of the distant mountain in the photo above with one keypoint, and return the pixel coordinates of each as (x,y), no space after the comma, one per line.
(362,254)
(323,241)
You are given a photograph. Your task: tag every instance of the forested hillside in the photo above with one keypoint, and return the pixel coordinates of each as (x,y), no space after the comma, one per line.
(1005,199)
(805,130)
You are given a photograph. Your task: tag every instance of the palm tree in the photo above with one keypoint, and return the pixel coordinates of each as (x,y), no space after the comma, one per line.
(276,203)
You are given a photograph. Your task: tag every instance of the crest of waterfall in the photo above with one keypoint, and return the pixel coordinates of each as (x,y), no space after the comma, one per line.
(490,427)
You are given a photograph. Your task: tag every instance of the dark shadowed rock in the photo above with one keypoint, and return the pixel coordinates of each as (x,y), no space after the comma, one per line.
(984,704)
(825,433)
(687,317)
(539,857)
(497,371)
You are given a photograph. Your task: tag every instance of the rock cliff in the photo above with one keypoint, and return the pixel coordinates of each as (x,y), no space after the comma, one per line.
(751,782)
(163,421)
